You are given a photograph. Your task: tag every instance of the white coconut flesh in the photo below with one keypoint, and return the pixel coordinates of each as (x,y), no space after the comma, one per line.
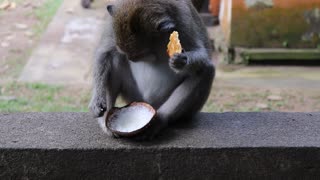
(131,118)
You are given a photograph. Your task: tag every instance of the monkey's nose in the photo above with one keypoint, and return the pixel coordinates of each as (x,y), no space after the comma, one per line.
(135,57)
(139,55)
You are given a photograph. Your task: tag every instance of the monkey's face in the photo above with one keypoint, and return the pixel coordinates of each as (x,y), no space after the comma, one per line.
(140,29)
(131,39)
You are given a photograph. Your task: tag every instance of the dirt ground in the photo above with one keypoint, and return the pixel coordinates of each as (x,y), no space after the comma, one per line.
(19,35)
(225,97)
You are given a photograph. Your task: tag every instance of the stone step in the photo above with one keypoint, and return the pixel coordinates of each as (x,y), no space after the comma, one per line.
(278,54)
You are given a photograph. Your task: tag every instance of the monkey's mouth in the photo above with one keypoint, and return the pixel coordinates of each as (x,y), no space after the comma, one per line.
(136,57)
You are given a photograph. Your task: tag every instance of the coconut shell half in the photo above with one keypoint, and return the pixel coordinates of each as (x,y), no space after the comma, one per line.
(128,121)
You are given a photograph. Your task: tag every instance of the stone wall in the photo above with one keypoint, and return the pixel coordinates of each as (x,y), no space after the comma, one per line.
(273,24)
(213,145)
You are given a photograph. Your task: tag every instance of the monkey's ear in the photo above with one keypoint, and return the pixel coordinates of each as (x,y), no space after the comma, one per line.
(110,9)
(166,26)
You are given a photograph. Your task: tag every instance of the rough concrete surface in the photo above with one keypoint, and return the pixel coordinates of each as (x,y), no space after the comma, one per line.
(226,145)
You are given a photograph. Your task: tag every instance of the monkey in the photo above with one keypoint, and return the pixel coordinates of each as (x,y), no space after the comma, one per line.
(131,60)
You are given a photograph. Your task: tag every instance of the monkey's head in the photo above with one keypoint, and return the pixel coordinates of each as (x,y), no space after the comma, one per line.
(141,25)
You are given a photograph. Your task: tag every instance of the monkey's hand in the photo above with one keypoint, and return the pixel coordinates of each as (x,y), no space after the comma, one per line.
(98,105)
(155,128)
(178,62)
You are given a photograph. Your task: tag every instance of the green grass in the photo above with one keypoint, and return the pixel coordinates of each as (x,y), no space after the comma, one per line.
(224,99)
(45,14)
(33,97)
(17,62)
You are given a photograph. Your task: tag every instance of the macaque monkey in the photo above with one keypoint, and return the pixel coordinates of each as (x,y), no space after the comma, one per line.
(132,61)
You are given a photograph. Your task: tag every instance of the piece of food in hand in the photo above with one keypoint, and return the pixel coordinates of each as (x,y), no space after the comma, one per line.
(174,46)
(131,119)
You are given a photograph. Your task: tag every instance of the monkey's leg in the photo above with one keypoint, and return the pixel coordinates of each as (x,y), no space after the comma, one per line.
(191,95)
(129,88)
(121,81)
(187,99)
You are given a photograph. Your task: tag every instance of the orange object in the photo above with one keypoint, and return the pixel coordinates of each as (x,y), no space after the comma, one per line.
(174,46)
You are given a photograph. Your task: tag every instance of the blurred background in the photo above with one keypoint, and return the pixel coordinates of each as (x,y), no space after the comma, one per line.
(267,54)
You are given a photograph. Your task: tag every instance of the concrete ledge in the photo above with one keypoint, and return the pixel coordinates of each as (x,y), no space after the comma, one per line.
(227,145)
(278,54)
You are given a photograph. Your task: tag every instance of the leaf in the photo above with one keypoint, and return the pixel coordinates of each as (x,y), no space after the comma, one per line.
(5,5)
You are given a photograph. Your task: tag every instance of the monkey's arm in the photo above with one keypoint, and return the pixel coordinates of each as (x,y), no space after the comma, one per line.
(98,103)
(101,71)
(189,96)
(185,101)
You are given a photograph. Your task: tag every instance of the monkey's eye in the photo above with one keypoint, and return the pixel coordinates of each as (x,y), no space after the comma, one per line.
(166,26)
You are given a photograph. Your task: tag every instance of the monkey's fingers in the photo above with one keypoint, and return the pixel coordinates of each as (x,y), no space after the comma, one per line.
(97,107)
